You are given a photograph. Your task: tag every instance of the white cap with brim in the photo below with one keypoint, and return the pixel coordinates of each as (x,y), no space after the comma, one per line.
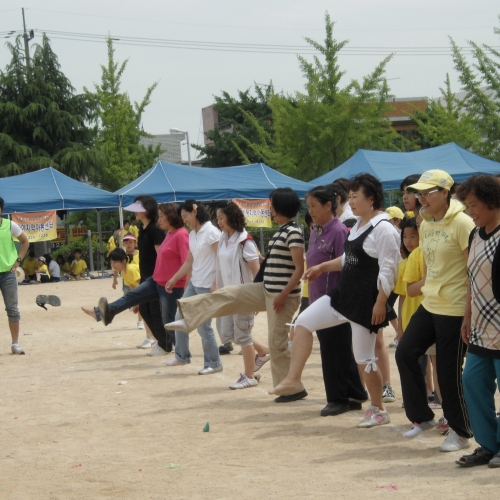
(20,274)
(432,179)
(135,207)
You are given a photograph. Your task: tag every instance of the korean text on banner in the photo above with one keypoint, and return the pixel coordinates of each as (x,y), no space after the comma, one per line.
(257,212)
(40,226)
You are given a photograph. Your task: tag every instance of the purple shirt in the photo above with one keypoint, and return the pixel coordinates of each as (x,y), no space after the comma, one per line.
(326,243)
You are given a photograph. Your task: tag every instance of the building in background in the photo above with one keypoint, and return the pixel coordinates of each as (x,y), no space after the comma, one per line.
(170,143)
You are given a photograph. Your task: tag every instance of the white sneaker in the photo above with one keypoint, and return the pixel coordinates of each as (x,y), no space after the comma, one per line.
(260,361)
(454,442)
(374,416)
(16,348)
(157,351)
(140,325)
(243,382)
(146,344)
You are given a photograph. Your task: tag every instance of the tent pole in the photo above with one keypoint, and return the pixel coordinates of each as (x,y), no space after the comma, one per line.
(91,254)
(99,230)
(121,225)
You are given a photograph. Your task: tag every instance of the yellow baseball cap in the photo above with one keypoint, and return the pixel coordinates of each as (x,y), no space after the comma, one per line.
(433,178)
(394,213)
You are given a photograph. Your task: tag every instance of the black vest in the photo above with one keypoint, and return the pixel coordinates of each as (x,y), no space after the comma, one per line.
(356,293)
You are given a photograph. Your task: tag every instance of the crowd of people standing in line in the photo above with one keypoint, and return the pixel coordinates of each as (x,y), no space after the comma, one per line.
(442,258)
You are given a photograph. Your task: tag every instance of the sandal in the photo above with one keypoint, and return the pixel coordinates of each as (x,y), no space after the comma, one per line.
(479,457)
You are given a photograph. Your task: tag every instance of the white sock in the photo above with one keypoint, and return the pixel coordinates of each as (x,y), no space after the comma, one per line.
(413,432)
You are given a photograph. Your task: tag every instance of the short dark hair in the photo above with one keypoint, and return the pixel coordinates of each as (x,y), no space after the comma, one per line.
(31,253)
(408,181)
(2,204)
(170,210)
(324,194)
(308,219)
(340,190)
(371,187)
(485,188)
(48,258)
(77,250)
(285,201)
(235,217)
(60,259)
(201,212)
(150,205)
(411,223)
(344,183)
(126,221)
(119,255)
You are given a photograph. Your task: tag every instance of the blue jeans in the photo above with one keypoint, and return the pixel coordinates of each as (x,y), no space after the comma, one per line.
(8,286)
(210,348)
(480,378)
(168,302)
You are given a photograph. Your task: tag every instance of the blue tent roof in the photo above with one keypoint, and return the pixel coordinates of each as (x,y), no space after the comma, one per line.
(171,182)
(48,189)
(392,168)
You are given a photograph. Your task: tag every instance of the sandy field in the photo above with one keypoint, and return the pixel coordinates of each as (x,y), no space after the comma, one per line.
(70,431)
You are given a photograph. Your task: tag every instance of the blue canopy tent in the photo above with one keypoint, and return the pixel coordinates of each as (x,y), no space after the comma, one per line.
(391,168)
(48,189)
(171,182)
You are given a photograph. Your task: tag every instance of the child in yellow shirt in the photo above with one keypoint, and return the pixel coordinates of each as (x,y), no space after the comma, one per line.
(42,273)
(78,266)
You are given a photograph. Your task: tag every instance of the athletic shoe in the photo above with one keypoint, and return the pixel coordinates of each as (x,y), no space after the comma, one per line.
(209,369)
(156,351)
(174,362)
(418,428)
(260,361)
(435,406)
(394,343)
(140,325)
(226,348)
(146,344)
(374,416)
(388,395)
(16,348)
(243,382)
(454,442)
(443,426)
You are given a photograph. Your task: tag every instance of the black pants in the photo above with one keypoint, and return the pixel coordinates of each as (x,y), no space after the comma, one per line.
(340,370)
(424,330)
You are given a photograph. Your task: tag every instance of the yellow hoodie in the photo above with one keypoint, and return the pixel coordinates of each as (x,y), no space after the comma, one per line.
(443,243)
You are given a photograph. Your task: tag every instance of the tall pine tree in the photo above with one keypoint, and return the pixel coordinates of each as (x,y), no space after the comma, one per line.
(43,122)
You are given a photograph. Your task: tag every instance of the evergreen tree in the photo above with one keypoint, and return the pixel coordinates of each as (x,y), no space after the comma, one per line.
(446,122)
(43,123)
(120,127)
(317,130)
(228,146)
(481,81)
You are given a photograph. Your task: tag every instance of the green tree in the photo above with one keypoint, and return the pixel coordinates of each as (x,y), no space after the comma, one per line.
(119,123)
(447,121)
(317,130)
(481,81)
(42,121)
(228,146)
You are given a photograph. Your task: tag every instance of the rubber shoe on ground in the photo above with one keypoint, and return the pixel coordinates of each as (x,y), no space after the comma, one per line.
(146,344)
(16,349)
(174,362)
(291,397)
(140,325)
(454,442)
(388,395)
(374,416)
(494,463)
(210,369)
(243,382)
(260,361)
(332,409)
(156,351)
(226,348)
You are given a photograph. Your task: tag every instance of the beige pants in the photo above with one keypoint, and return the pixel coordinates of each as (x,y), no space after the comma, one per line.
(240,299)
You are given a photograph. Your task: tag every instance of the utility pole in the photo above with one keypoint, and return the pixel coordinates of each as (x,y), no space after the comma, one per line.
(27,37)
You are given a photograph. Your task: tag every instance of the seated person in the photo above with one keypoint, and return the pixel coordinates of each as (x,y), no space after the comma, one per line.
(42,273)
(30,265)
(54,269)
(63,265)
(78,267)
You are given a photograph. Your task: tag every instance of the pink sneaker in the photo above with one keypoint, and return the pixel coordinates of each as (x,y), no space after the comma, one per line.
(374,416)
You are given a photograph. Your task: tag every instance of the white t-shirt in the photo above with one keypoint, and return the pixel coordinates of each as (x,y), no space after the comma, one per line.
(54,269)
(226,253)
(15,230)
(200,245)
(347,213)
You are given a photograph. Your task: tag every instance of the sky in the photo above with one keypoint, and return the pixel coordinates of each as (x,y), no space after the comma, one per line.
(254,42)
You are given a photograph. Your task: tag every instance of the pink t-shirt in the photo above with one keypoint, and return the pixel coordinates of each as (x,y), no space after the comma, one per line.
(172,253)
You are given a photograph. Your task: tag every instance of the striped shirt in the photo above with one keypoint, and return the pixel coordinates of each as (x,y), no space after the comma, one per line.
(485,324)
(279,264)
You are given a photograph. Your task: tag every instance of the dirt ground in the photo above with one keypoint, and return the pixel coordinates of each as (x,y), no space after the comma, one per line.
(70,431)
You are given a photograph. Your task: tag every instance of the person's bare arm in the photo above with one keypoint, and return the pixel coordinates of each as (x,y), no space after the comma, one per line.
(298,260)
(325,267)
(415,289)
(254,267)
(215,247)
(183,270)
(25,244)
(400,317)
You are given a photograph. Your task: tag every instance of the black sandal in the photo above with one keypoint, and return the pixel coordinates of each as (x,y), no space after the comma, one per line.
(479,457)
